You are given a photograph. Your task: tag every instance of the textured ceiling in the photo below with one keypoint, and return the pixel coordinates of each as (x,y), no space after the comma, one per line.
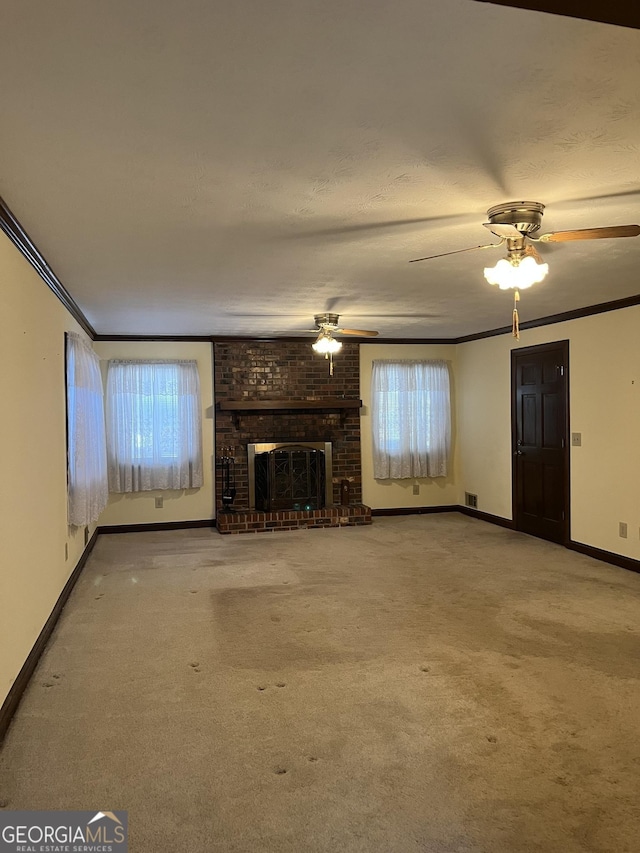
(198,168)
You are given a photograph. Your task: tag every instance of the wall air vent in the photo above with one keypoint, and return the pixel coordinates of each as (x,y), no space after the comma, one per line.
(471,500)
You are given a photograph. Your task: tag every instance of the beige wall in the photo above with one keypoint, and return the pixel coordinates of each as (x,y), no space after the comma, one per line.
(604,389)
(188,504)
(385,494)
(604,369)
(33,507)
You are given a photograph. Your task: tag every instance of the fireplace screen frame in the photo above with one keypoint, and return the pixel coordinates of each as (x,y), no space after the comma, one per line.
(266,447)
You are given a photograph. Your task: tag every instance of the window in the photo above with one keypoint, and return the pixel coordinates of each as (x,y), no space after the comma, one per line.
(154,432)
(86,446)
(411,419)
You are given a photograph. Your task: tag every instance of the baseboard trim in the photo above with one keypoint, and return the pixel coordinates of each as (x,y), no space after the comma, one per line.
(486,516)
(465,510)
(10,704)
(605,556)
(413,510)
(161,525)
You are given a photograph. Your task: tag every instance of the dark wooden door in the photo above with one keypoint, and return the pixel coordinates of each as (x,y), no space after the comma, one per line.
(540,430)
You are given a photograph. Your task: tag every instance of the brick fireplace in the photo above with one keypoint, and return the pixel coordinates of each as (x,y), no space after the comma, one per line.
(281,392)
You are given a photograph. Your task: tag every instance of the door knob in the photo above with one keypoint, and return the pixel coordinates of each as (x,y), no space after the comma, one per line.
(519,453)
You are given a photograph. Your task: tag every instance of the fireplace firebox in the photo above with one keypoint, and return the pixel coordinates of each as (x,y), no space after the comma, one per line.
(290,475)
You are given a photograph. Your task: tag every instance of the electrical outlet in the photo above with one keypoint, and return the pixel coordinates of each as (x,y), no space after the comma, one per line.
(416,488)
(159,502)
(576,439)
(622,529)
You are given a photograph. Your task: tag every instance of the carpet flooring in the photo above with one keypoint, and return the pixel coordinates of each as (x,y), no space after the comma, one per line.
(429,683)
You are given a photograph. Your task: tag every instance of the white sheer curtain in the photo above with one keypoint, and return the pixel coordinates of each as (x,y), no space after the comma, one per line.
(154,430)
(411,418)
(86,445)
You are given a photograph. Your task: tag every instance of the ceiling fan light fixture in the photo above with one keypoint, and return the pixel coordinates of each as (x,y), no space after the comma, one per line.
(326,345)
(517,274)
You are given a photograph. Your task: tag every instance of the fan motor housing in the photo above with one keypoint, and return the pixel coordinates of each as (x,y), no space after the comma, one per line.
(326,320)
(525,216)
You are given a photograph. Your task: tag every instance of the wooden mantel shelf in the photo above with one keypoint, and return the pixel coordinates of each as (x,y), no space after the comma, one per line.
(338,404)
(269,405)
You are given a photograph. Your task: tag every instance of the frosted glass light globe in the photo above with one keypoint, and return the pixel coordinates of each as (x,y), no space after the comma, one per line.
(520,276)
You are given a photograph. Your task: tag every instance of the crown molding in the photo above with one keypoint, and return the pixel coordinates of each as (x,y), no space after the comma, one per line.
(27,248)
(576,314)
(549,320)
(621,13)
(207,339)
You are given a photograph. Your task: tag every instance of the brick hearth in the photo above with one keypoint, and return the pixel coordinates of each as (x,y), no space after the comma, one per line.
(266,522)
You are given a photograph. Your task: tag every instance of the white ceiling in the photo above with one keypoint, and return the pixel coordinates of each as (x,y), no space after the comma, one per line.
(201,167)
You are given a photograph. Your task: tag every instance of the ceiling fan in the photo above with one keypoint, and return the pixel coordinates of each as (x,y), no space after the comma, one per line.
(329,322)
(515,223)
(325,343)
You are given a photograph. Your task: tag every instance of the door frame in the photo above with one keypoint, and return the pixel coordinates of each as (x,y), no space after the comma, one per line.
(540,348)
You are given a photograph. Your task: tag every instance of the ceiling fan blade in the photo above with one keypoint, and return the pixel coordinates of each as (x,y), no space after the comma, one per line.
(346,230)
(502,231)
(363,333)
(458,251)
(591,234)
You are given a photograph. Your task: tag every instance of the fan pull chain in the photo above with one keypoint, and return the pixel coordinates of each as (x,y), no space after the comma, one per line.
(516,319)
(329,355)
